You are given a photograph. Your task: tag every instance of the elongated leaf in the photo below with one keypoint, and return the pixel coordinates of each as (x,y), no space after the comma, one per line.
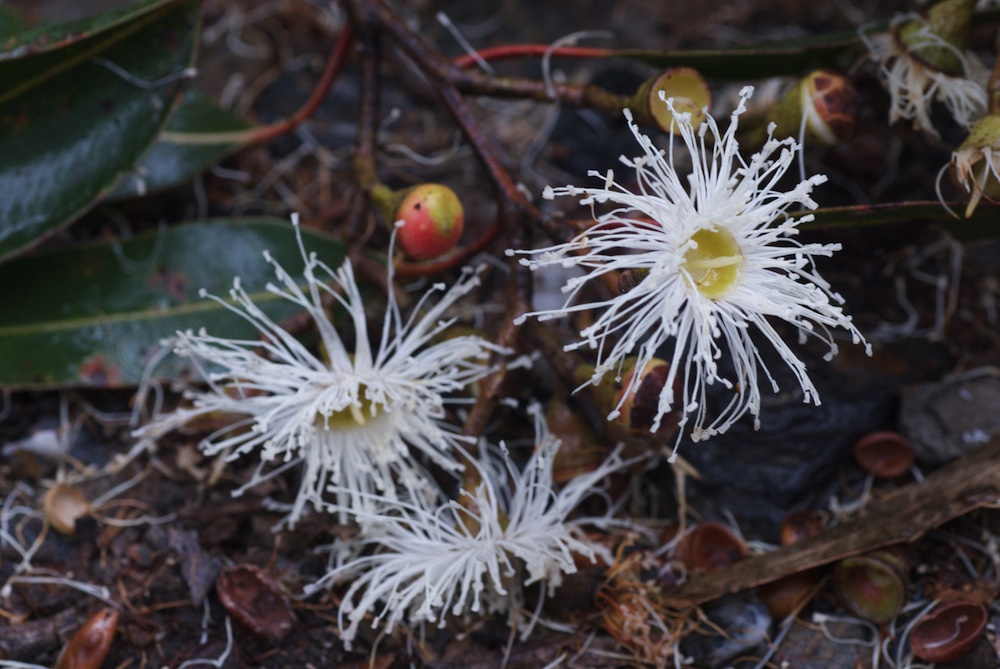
(183,149)
(57,36)
(758,61)
(74,120)
(93,315)
(983,224)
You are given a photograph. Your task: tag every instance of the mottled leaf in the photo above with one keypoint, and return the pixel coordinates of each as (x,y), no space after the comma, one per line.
(74,120)
(93,315)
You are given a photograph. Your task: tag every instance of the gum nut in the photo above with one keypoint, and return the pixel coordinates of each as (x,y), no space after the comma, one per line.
(708,547)
(884,454)
(869,588)
(63,505)
(786,595)
(432,221)
(690,95)
(948,632)
(799,525)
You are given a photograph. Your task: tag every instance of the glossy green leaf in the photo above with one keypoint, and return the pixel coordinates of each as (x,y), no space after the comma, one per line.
(74,120)
(57,36)
(758,61)
(184,148)
(983,224)
(93,315)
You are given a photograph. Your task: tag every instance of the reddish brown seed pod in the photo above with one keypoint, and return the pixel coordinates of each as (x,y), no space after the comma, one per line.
(949,631)
(710,546)
(91,643)
(787,595)
(799,525)
(884,454)
(871,586)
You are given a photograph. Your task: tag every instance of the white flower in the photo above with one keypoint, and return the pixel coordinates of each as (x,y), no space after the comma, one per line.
(914,84)
(350,415)
(467,556)
(718,258)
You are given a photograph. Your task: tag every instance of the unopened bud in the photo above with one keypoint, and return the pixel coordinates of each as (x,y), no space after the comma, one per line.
(684,86)
(634,406)
(826,101)
(640,405)
(430,219)
(939,40)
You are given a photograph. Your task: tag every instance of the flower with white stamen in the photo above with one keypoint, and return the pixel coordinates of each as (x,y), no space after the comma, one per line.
(919,64)
(716,257)
(468,556)
(352,415)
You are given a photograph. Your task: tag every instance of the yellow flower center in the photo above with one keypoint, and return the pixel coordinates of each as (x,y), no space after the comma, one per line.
(714,266)
(353,415)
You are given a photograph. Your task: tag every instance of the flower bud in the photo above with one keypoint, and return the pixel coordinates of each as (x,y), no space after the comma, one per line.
(634,408)
(826,100)
(939,40)
(684,85)
(976,162)
(430,219)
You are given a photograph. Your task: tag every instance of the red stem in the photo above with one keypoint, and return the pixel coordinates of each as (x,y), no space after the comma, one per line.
(506,51)
(334,65)
(408,270)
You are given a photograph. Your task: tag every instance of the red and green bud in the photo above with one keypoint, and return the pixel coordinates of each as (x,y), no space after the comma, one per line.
(634,406)
(432,219)
(826,101)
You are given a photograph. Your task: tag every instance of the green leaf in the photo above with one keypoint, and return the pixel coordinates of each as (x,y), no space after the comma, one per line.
(74,120)
(983,224)
(184,148)
(11,23)
(57,36)
(93,315)
(758,61)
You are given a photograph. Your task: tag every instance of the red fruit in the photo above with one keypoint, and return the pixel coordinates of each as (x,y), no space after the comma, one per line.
(432,221)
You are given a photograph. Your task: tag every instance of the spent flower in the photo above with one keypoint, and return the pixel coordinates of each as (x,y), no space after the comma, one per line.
(717,259)
(350,414)
(922,60)
(471,555)
(976,162)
